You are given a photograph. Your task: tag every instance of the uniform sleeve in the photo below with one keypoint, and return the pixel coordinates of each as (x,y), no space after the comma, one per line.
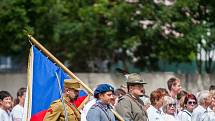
(124,109)
(53,112)
(93,114)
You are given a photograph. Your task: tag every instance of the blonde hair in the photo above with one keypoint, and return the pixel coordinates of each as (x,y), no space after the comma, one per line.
(167,100)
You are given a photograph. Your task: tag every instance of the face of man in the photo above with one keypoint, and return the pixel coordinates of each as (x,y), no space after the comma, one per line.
(72,94)
(106,97)
(177,87)
(6,103)
(137,90)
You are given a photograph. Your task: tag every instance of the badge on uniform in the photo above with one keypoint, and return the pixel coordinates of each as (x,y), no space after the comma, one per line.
(50,110)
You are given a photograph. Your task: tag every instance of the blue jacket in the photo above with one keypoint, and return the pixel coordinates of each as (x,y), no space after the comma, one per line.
(100,112)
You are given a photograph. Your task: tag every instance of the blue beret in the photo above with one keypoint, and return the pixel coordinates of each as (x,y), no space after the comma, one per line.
(103,88)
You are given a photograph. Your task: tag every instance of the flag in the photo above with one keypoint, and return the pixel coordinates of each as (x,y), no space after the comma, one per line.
(81,98)
(43,87)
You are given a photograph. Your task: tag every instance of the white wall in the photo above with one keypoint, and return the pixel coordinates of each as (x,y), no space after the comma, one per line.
(193,83)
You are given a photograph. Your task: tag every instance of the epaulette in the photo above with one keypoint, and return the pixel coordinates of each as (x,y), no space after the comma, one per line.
(94,106)
(50,110)
(56,101)
(120,98)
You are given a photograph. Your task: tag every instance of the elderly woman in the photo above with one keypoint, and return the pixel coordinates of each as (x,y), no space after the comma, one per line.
(154,112)
(210,114)
(204,101)
(169,108)
(190,102)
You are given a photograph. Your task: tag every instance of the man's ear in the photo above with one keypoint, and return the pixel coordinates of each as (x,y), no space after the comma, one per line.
(100,95)
(130,87)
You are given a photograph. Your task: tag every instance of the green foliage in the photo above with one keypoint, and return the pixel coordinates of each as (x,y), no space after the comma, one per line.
(79,31)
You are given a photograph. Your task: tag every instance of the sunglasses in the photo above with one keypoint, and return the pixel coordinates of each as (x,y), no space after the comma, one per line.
(191,102)
(172,105)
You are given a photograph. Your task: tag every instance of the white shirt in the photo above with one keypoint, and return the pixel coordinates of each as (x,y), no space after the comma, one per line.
(184,115)
(5,116)
(209,115)
(168,117)
(154,114)
(86,109)
(17,113)
(198,113)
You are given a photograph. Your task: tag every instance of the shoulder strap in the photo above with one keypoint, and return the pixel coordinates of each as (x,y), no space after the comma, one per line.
(139,104)
(73,107)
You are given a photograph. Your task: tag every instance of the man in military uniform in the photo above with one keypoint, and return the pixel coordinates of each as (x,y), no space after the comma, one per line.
(100,111)
(56,112)
(130,106)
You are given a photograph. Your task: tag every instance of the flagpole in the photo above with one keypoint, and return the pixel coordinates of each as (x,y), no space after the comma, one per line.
(55,60)
(62,98)
(47,53)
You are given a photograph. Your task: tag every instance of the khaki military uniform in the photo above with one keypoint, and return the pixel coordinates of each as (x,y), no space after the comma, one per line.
(131,109)
(56,112)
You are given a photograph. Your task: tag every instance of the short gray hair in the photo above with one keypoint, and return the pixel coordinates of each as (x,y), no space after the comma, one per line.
(202,95)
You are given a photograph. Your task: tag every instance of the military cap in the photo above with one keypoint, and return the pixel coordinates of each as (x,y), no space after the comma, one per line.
(72,83)
(135,78)
(103,88)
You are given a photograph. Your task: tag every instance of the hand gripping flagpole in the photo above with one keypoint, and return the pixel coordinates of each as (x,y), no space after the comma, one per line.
(62,98)
(55,60)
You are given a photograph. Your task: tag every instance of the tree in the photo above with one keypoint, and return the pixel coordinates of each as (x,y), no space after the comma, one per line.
(142,32)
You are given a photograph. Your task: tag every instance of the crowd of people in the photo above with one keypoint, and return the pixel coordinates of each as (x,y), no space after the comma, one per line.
(12,110)
(129,102)
(172,104)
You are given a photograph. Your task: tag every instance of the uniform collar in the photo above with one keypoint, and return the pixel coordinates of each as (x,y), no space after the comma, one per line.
(101,104)
(67,99)
(136,98)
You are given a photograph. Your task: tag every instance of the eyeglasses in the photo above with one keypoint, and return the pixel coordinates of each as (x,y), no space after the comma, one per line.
(191,102)
(170,105)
